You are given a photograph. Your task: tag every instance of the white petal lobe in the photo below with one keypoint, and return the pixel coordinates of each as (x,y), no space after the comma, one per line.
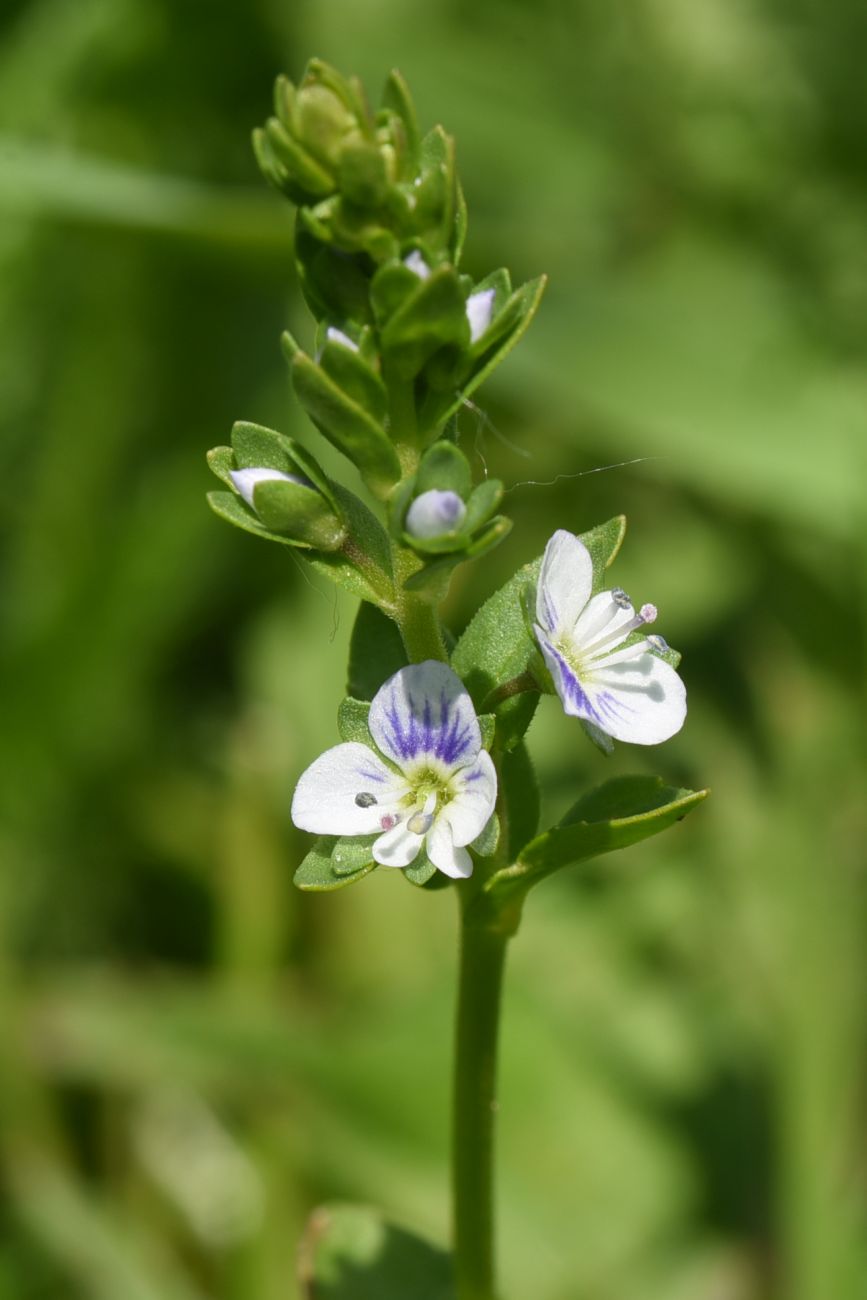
(324,799)
(424,715)
(565,582)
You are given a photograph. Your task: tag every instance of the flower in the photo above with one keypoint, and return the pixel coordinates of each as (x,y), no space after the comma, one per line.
(247,480)
(430,785)
(480,308)
(435,512)
(622,690)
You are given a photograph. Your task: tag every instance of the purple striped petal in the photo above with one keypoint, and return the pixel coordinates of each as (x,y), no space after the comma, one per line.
(424,713)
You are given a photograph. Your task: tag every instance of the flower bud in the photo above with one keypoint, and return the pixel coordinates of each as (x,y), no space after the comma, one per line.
(434,513)
(245,480)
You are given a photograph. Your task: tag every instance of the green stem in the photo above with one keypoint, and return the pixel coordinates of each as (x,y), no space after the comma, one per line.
(483,952)
(421,631)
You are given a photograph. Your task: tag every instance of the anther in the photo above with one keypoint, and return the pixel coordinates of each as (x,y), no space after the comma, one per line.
(388,821)
(365,799)
(620,598)
(420,823)
(647,613)
(657,643)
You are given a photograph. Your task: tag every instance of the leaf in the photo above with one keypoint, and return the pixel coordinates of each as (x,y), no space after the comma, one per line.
(515,319)
(376,651)
(352,718)
(346,424)
(485,843)
(335,861)
(611,816)
(234,511)
(397,97)
(434,316)
(420,870)
(519,796)
(355,377)
(363,567)
(351,1253)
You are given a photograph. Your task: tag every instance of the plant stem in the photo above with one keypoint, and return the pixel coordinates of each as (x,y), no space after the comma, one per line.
(483,951)
(421,631)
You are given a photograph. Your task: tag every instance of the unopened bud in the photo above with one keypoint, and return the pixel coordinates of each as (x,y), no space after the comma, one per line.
(434,513)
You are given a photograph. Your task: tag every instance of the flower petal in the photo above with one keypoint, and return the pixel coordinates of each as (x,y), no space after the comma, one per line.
(641,700)
(565,582)
(423,713)
(325,796)
(397,847)
(475,794)
(573,697)
(452,860)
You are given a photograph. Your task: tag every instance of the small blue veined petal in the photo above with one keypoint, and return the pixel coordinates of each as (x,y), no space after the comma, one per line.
(424,714)
(480,307)
(246,480)
(434,513)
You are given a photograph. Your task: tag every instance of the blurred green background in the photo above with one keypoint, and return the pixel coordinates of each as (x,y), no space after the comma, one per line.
(192,1055)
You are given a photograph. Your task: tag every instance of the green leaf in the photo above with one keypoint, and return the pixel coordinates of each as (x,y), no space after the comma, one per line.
(300,512)
(519,795)
(396,96)
(376,651)
(351,1253)
(488,728)
(363,567)
(434,316)
(352,718)
(443,466)
(359,381)
(334,284)
(362,174)
(482,503)
(492,348)
(486,843)
(231,508)
(346,424)
(420,870)
(335,861)
(309,178)
(611,816)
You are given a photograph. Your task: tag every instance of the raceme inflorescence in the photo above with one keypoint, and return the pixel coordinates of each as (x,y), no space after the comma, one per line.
(431,775)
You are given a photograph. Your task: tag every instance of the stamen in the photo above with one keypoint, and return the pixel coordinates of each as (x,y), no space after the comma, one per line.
(365,799)
(646,614)
(420,823)
(620,598)
(657,643)
(388,821)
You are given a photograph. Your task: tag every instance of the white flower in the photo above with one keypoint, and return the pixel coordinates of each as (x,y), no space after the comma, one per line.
(247,480)
(417,264)
(435,512)
(626,692)
(334,335)
(480,307)
(431,785)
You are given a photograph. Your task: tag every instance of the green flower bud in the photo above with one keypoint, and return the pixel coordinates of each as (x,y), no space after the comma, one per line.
(278,490)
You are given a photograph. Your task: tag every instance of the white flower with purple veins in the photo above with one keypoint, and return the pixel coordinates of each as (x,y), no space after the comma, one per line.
(623,690)
(427,785)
